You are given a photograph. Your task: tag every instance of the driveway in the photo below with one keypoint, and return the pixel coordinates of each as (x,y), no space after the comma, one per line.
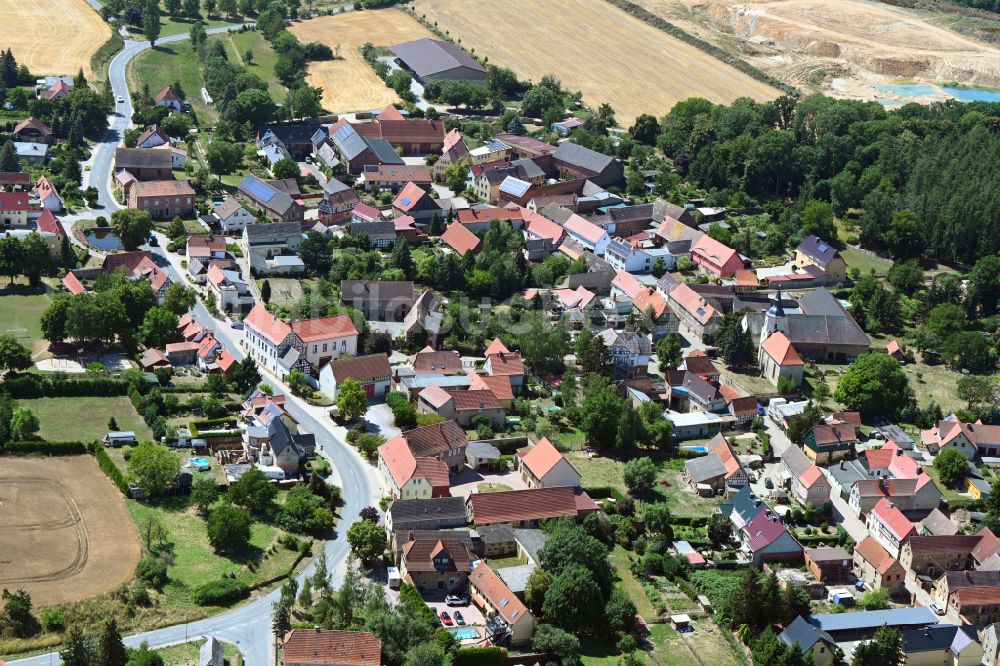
(854,526)
(379,418)
(464,483)
(472,615)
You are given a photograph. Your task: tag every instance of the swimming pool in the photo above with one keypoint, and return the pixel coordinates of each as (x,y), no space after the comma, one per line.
(200,464)
(698,449)
(464,633)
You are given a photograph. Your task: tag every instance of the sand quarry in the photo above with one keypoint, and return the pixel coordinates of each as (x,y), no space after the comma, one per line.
(67,534)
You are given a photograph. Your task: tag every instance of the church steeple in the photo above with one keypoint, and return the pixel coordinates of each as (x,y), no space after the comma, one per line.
(774,320)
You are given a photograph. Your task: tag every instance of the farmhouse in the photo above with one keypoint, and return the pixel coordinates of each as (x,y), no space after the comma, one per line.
(432,59)
(433,564)
(169,98)
(371,371)
(543,466)
(877,568)
(163,199)
(324,647)
(276,204)
(143,163)
(525,508)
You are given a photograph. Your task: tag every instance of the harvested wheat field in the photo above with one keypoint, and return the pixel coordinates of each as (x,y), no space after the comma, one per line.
(842,48)
(593,47)
(348,83)
(67,534)
(52,36)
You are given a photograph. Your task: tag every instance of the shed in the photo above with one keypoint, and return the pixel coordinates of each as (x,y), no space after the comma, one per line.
(705,604)
(480,454)
(680,621)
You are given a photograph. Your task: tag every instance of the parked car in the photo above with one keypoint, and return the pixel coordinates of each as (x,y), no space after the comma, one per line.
(459,620)
(153,242)
(937,609)
(768,483)
(446,619)
(454,600)
(121,100)
(238,325)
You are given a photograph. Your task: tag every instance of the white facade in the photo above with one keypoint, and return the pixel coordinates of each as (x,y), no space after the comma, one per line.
(236,221)
(319,352)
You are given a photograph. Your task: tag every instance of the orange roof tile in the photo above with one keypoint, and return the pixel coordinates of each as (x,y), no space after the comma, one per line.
(541,458)
(323,646)
(890,516)
(324,328)
(496,347)
(498,385)
(506,363)
(780,348)
(875,554)
(521,505)
(460,239)
(267,325)
(497,593)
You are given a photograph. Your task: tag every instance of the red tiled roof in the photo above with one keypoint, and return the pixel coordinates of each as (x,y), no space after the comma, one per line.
(826,434)
(168,94)
(435,396)
(538,226)
(175,347)
(506,363)
(60,87)
(204,246)
(496,347)
(945,544)
(473,400)
(693,303)
(162,188)
(854,418)
(478,215)
(411,131)
(437,363)
(890,516)
(523,505)
(324,328)
(33,123)
(989,545)
(14,201)
(977,596)
(497,593)
(426,555)
(14,178)
(403,465)
(267,324)
(875,554)
(367,212)
(588,231)
(780,348)
(49,223)
(395,173)
(73,284)
(323,646)
(460,239)
(390,113)
(763,530)
(434,439)
(408,197)
(541,458)
(714,251)
(498,385)
(225,360)
(361,368)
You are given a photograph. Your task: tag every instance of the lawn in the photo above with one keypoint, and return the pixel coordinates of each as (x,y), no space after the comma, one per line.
(215,472)
(85,418)
(173,25)
(21,309)
(864,262)
(621,562)
(598,472)
(161,66)
(682,501)
(186,654)
(263,61)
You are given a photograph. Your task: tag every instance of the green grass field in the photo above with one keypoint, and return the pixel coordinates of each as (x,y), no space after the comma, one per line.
(161,66)
(186,654)
(85,418)
(263,61)
(21,309)
(865,263)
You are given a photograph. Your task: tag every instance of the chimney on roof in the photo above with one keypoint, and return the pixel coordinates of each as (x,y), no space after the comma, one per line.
(899,452)
(842,465)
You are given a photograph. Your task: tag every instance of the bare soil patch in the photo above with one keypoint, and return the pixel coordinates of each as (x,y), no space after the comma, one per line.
(594,47)
(67,534)
(348,83)
(52,36)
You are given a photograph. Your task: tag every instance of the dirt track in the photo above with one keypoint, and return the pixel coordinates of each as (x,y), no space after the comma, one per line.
(594,47)
(67,534)
(348,83)
(839,47)
(52,36)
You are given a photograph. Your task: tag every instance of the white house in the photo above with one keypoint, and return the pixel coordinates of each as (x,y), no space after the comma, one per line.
(371,371)
(326,338)
(48,196)
(624,256)
(587,234)
(411,477)
(178,156)
(231,215)
(232,294)
(542,466)
(629,351)
(271,342)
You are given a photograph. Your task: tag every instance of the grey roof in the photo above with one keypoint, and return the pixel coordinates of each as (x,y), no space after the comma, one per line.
(818,250)
(834,554)
(939,637)
(211,653)
(460,534)
(895,617)
(939,524)
(428,57)
(290,133)
(376,230)
(264,194)
(698,387)
(349,143)
(531,540)
(376,290)
(483,450)
(821,302)
(229,207)
(319,136)
(440,511)
(527,169)
(795,460)
(805,634)
(705,468)
(633,342)
(334,186)
(384,151)
(496,534)
(280,437)
(584,158)
(556,213)
(744,503)
(142,158)
(516,578)
(896,434)
(442,381)
(268,233)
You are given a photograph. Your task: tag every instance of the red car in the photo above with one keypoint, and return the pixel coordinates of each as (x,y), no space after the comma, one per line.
(446,619)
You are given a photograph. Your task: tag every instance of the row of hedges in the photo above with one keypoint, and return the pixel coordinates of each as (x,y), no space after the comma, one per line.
(604,492)
(109,468)
(692,521)
(479,656)
(36,386)
(661,24)
(221,592)
(47,448)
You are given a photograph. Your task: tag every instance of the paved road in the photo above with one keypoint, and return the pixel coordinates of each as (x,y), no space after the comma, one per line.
(248,626)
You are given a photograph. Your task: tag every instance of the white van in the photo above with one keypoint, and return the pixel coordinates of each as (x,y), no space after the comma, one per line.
(272,472)
(394,578)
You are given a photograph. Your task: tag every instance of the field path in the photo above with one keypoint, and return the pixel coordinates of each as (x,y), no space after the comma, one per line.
(594,47)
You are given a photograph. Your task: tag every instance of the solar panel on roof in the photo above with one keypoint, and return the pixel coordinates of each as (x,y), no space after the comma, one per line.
(823,247)
(345,132)
(371,168)
(258,190)
(406,201)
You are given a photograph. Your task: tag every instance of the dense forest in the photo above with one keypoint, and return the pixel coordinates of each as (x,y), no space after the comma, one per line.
(938,161)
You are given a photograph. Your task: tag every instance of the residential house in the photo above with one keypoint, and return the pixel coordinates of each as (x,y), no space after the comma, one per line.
(498,385)
(525,508)
(379,300)
(942,644)
(587,234)
(454,151)
(144,164)
(205,247)
(380,234)
(629,351)
(829,442)
(152,137)
(232,293)
(231,215)
(719,447)
(414,201)
(356,151)
(338,203)
(169,98)
(933,555)
(698,318)
(163,199)
(899,478)
(766,539)
(874,565)
(966,438)
(565,126)
(365,214)
(326,338)
(14,208)
(581,162)
(698,363)
(500,361)
(371,371)
(814,252)
(444,441)
(277,205)
(462,405)
(32,130)
(272,343)
(48,196)
(394,177)
(543,466)
(624,255)
(283,448)
(695,394)
(409,476)
(811,640)
(829,565)
(460,239)
(433,59)
(545,233)
(296,138)
(889,526)
(715,258)
(266,241)
(508,620)
(808,483)
(182,353)
(178,156)
(779,360)
(325,647)
(650,304)
(430,514)
(436,565)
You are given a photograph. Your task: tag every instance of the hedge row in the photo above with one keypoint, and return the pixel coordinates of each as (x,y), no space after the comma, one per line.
(220,592)
(48,448)
(604,492)
(479,656)
(711,49)
(109,468)
(692,521)
(35,386)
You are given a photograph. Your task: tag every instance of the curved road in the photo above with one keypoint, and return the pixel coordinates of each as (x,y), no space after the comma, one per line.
(248,626)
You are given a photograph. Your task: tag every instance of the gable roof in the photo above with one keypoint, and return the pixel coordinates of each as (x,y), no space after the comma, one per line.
(498,385)
(523,505)
(403,465)
(764,529)
(437,509)
(408,197)
(506,363)
(803,634)
(460,239)
(435,396)
(819,251)
(168,94)
(496,347)
(889,515)
(325,646)
(694,304)
(360,368)
(872,551)
(142,158)
(498,594)
(583,158)
(427,57)
(429,361)
(779,347)
(324,328)
(34,123)
(267,324)
(541,458)
(580,227)
(426,555)
(434,439)
(716,252)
